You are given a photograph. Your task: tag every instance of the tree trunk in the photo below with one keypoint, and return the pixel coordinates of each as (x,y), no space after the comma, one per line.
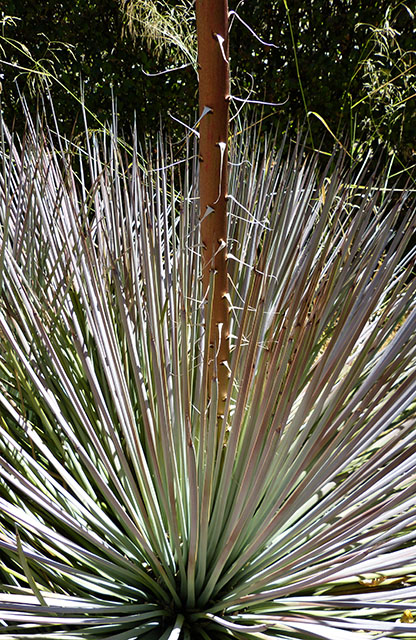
(212,32)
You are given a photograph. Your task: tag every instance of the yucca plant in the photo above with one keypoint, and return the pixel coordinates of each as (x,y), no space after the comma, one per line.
(128,508)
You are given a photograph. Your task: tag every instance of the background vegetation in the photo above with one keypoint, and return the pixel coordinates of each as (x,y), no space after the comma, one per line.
(349,61)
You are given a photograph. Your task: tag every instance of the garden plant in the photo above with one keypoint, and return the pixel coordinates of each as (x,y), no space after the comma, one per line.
(185,456)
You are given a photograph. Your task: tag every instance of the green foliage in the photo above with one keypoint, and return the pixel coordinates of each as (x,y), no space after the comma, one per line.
(336,56)
(388,75)
(164,27)
(98,58)
(127,511)
(352,60)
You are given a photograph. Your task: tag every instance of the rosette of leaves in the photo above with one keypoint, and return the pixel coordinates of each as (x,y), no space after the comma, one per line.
(128,510)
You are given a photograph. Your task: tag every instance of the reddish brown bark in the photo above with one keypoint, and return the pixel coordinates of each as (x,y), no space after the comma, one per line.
(212,32)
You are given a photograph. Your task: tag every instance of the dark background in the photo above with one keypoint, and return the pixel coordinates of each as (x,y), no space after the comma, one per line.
(338,52)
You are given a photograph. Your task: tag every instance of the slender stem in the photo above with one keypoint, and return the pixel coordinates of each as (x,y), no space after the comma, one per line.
(213,63)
